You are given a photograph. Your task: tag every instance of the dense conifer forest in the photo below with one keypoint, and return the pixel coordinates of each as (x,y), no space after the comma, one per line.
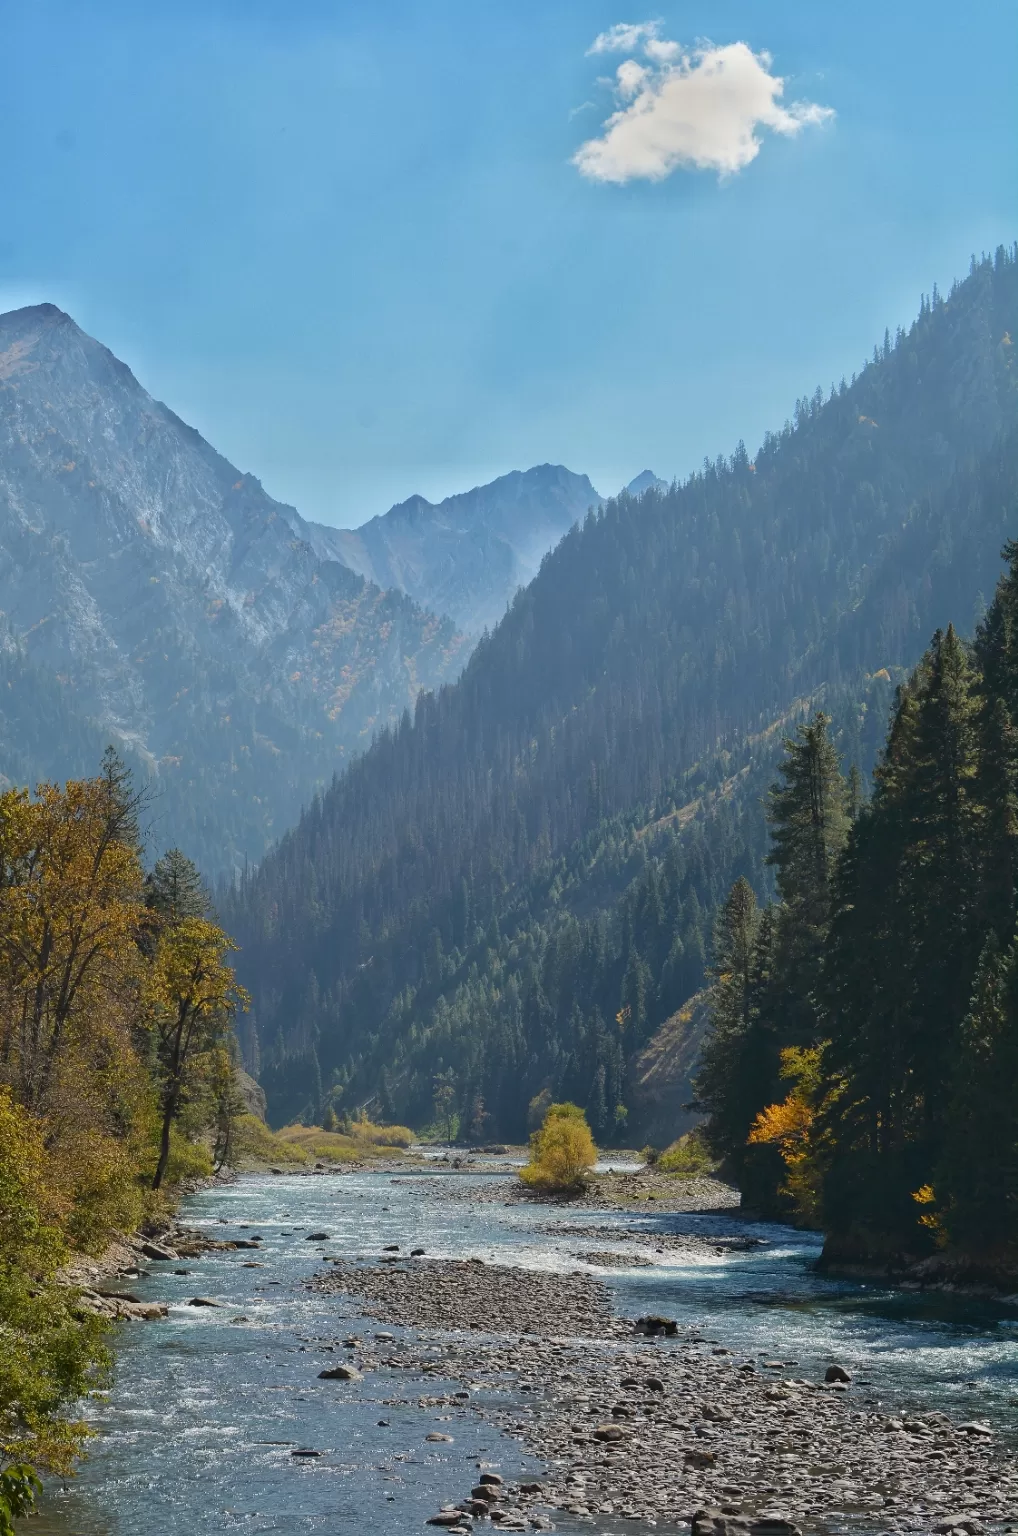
(861,1066)
(517,886)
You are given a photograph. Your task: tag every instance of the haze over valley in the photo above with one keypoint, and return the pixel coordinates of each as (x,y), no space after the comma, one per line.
(508,770)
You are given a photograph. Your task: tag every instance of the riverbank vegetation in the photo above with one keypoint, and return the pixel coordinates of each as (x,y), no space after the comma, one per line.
(117,1056)
(562,1152)
(862,1066)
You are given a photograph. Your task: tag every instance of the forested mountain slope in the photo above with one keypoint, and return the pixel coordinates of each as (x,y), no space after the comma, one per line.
(515,886)
(466,556)
(153,595)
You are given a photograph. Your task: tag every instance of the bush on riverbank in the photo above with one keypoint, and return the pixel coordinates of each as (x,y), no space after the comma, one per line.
(364,1140)
(562,1152)
(689,1156)
(255,1143)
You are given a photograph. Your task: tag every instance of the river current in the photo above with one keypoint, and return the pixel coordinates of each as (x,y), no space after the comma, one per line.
(199,1430)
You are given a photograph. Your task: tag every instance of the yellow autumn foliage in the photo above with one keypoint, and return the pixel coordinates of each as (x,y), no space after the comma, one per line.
(562,1152)
(116,1067)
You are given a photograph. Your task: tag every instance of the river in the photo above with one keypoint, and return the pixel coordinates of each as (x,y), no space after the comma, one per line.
(208,1406)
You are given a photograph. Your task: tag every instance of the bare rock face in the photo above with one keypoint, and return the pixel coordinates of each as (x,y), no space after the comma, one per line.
(155,596)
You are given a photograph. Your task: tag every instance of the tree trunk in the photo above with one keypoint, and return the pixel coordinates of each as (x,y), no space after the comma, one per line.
(164,1142)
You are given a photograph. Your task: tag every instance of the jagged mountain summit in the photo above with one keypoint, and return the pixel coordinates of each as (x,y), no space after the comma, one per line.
(646,480)
(467,555)
(154,595)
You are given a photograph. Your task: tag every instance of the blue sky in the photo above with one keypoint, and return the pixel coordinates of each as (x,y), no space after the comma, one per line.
(352,242)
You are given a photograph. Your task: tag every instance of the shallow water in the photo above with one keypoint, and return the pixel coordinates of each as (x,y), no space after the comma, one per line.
(198,1432)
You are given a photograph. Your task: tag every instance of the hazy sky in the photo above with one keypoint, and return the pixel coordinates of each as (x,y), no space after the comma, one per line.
(370,249)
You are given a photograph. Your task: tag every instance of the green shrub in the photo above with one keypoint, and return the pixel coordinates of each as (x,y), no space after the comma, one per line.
(688,1156)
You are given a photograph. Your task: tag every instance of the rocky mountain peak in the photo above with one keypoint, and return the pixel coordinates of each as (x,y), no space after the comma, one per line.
(192,618)
(466,556)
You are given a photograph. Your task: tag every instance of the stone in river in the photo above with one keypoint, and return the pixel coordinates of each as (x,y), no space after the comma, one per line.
(317,1237)
(158,1251)
(492,1478)
(714,1522)
(340,1373)
(770,1523)
(437,1438)
(307,1454)
(485,1491)
(610,1434)
(450,1518)
(204,1301)
(836,1373)
(654,1326)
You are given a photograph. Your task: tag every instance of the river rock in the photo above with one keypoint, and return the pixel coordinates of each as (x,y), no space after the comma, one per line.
(204,1301)
(157,1251)
(657,1326)
(837,1373)
(340,1373)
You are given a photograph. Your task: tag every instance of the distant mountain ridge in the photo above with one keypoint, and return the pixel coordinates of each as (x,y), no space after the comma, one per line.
(513,892)
(152,593)
(467,555)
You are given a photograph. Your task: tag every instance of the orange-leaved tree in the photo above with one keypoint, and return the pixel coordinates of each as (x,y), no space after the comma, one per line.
(795,1127)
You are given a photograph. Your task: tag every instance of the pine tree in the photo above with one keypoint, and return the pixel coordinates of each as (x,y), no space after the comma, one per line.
(719,1080)
(976,1183)
(899,961)
(175,889)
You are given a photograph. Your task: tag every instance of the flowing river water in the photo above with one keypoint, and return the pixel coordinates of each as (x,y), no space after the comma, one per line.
(209,1405)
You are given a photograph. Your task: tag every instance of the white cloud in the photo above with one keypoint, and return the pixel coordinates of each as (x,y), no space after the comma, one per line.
(624,37)
(695,109)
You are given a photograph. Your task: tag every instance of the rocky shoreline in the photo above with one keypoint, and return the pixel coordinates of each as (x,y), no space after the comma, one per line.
(661,1430)
(102,1281)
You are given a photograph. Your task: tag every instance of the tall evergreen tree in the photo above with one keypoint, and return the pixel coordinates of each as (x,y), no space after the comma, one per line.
(976,1181)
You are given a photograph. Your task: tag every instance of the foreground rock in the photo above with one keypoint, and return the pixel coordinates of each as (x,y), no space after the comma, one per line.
(667,1428)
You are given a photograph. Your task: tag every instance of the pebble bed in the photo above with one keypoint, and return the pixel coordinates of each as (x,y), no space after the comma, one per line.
(665,1431)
